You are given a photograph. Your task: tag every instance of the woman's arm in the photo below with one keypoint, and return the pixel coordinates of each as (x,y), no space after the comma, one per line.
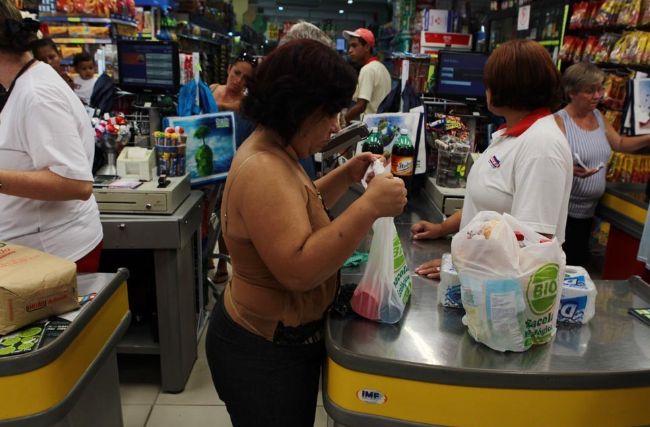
(43,185)
(626,144)
(423,230)
(274,215)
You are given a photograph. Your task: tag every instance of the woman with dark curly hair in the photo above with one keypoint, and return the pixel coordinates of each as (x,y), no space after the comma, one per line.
(265,343)
(526,171)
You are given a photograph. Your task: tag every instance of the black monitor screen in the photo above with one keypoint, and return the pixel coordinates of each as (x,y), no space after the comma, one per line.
(150,67)
(460,76)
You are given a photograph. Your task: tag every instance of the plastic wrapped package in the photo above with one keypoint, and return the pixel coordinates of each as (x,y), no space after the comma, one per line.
(578,299)
(449,286)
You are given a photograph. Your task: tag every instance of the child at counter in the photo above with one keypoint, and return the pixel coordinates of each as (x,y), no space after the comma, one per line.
(84,81)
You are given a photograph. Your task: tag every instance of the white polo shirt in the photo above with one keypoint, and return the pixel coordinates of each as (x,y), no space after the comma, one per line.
(373,86)
(45,126)
(528,176)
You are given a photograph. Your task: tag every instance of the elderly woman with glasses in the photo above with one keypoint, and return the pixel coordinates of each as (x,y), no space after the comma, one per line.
(591,140)
(229,96)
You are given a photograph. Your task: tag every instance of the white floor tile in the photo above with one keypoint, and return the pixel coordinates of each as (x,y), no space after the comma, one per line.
(189,416)
(199,389)
(321,417)
(135,415)
(139,394)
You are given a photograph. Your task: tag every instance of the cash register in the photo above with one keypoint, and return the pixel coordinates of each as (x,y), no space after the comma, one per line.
(137,189)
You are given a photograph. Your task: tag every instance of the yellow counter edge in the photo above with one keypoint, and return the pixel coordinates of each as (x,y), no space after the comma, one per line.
(623,207)
(33,392)
(453,405)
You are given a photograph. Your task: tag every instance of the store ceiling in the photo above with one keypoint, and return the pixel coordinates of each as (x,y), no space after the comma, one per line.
(368,11)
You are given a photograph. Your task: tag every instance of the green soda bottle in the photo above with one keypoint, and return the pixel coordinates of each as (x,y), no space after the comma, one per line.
(372,143)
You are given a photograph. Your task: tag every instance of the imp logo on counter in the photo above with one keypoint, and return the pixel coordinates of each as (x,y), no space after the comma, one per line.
(373,397)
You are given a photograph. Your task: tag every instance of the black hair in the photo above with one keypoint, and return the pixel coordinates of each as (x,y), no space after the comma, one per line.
(296,80)
(44,42)
(245,56)
(82,57)
(16,33)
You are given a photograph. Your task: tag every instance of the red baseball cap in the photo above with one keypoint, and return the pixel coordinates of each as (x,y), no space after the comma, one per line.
(362,33)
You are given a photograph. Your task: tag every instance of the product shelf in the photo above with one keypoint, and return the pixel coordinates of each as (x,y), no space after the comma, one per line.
(73,40)
(87,20)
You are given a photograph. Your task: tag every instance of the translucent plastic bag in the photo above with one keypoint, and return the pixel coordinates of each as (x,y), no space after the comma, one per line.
(511,280)
(385,287)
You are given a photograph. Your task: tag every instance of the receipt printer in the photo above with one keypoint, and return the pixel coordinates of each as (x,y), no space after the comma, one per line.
(137,161)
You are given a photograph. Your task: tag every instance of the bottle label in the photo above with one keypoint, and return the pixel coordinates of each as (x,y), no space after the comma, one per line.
(401,165)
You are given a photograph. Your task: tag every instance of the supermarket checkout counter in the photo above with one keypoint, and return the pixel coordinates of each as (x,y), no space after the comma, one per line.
(73,380)
(427,370)
(625,207)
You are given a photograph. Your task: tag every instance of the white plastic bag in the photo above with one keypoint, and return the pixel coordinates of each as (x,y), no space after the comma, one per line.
(510,279)
(386,284)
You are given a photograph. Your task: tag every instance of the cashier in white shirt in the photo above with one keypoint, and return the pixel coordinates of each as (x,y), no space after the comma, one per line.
(527,170)
(46,153)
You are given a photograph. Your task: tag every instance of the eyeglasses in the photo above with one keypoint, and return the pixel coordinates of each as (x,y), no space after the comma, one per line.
(247,57)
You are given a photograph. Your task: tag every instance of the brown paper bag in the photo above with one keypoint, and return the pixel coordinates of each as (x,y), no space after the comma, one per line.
(33,286)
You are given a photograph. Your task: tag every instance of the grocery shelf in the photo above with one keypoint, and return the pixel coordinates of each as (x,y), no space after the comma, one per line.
(66,40)
(217,41)
(87,20)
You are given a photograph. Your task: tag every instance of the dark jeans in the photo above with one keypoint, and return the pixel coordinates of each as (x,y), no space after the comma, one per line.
(576,243)
(262,383)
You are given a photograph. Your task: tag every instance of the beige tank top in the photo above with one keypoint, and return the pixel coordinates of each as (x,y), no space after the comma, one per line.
(254,298)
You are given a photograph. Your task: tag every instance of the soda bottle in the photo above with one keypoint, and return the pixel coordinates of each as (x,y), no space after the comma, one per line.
(372,143)
(402,158)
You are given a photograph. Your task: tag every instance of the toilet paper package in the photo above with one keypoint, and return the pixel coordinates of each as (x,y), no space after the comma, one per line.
(578,300)
(449,286)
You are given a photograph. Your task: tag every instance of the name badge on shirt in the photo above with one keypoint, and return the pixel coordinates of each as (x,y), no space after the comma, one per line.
(494,162)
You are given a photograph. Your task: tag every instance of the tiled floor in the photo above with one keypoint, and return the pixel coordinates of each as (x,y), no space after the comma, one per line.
(144,405)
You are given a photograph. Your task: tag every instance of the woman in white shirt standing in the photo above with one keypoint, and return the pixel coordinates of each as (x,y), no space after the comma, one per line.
(46,153)
(527,169)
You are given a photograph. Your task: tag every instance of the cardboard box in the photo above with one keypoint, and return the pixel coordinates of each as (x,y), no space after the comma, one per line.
(436,20)
(33,286)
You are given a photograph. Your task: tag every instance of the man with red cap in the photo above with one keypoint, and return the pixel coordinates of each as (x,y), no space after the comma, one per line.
(374,80)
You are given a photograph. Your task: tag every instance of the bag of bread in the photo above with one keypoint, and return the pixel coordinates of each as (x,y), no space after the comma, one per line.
(33,286)
(510,280)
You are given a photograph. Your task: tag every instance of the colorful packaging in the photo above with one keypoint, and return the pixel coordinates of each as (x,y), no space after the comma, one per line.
(578,300)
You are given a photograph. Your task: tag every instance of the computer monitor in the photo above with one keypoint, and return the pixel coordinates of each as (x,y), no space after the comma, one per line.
(148,66)
(340,44)
(459,76)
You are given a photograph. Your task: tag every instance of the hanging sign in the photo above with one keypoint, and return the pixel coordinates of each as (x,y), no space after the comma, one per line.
(523,19)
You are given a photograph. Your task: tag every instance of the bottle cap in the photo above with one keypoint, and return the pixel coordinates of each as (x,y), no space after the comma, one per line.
(403,131)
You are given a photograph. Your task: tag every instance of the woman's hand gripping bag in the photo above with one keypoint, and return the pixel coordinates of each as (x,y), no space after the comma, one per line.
(385,287)
(510,280)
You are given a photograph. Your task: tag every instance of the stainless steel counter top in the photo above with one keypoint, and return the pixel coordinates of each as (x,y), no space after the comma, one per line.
(431,344)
